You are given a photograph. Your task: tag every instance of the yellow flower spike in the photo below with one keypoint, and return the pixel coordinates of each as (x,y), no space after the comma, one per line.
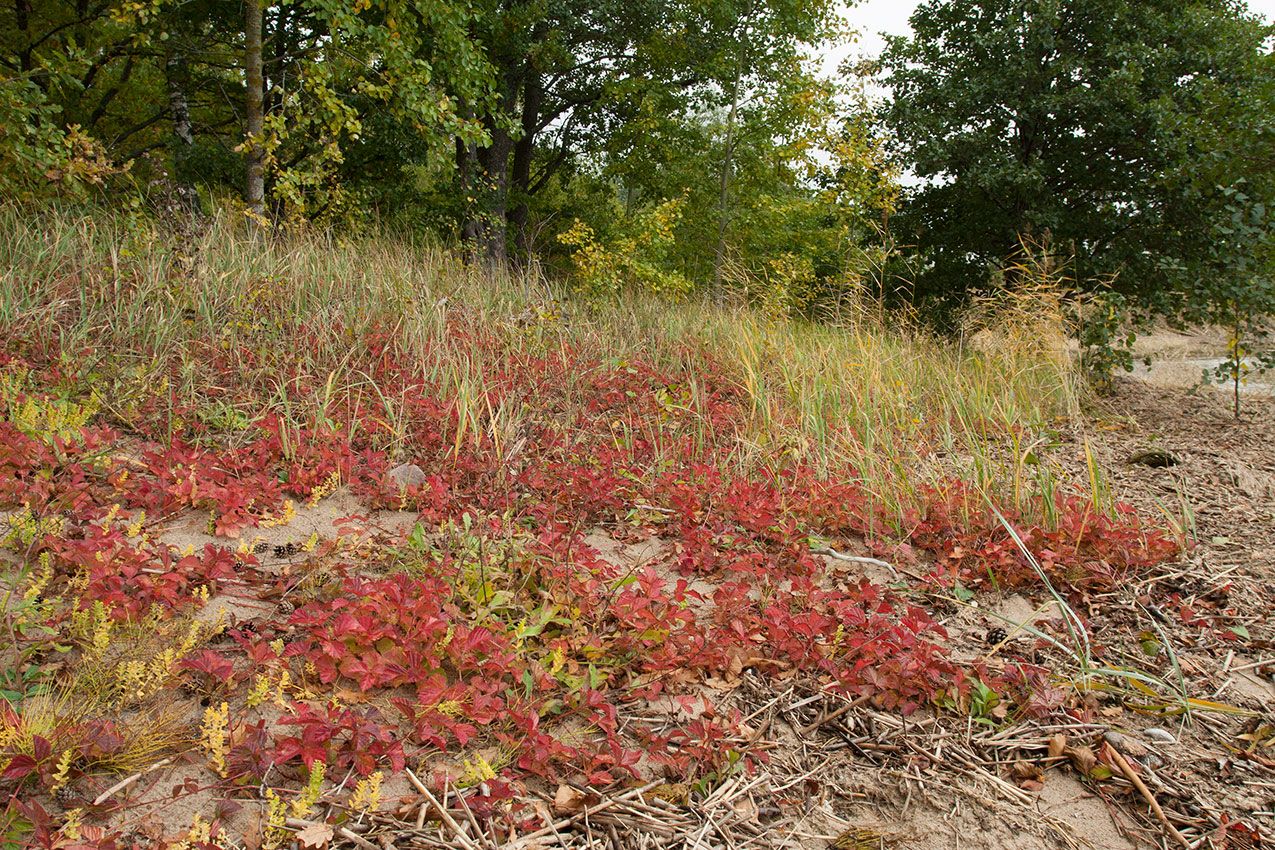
(281,695)
(42,578)
(479,771)
(304,803)
(74,822)
(63,770)
(260,690)
(276,816)
(215,727)
(367,793)
(192,634)
(200,831)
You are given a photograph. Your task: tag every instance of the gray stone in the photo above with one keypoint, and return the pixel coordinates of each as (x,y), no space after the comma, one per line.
(407,475)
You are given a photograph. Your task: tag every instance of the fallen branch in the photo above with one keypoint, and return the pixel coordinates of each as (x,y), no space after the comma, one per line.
(127,781)
(1128,773)
(828,718)
(566,822)
(457,832)
(856,559)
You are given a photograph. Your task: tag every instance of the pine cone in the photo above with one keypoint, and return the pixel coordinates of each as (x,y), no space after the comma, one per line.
(996,636)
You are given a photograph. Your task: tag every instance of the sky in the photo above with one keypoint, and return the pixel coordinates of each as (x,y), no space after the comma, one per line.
(871,17)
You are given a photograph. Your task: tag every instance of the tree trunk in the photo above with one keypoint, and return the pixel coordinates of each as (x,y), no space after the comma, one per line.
(183,134)
(22,12)
(723,202)
(532,97)
(254,156)
(492,223)
(487,220)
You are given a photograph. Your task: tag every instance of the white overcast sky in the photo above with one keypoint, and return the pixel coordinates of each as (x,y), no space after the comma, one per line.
(871,17)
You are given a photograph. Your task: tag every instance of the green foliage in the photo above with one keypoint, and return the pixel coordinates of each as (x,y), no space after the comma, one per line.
(1237,290)
(1228,278)
(39,158)
(87,91)
(637,259)
(1064,117)
(782,190)
(32,143)
(1106,341)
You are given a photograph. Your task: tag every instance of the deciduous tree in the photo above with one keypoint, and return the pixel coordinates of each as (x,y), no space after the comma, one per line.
(1067,116)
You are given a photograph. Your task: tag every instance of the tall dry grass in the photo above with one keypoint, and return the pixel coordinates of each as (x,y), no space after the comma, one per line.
(891,402)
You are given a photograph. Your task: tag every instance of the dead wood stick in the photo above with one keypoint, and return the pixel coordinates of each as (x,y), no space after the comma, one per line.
(442,812)
(566,822)
(1148,796)
(298,823)
(1252,666)
(856,559)
(768,706)
(478,831)
(654,509)
(828,718)
(127,781)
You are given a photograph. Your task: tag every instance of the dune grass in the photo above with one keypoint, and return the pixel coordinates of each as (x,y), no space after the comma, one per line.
(123,302)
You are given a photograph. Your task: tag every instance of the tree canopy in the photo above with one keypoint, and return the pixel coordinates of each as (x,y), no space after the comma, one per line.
(683,146)
(1092,121)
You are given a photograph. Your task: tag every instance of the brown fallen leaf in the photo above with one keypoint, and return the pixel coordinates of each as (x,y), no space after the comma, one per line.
(314,837)
(1057,744)
(1022,769)
(252,833)
(746,810)
(567,799)
(722,684)
(1082,758)
(1033,785)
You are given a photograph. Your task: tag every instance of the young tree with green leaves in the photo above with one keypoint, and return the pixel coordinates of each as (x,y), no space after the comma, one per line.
(1227,278)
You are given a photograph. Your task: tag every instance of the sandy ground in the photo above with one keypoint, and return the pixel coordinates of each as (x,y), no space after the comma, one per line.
(903,791)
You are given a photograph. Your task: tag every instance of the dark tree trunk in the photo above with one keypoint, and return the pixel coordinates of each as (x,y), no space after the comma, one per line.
(22,14)
(183,133)
(254,156)
(532,97)
(493,231)
(723,200)
(466,162)
(484,176)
